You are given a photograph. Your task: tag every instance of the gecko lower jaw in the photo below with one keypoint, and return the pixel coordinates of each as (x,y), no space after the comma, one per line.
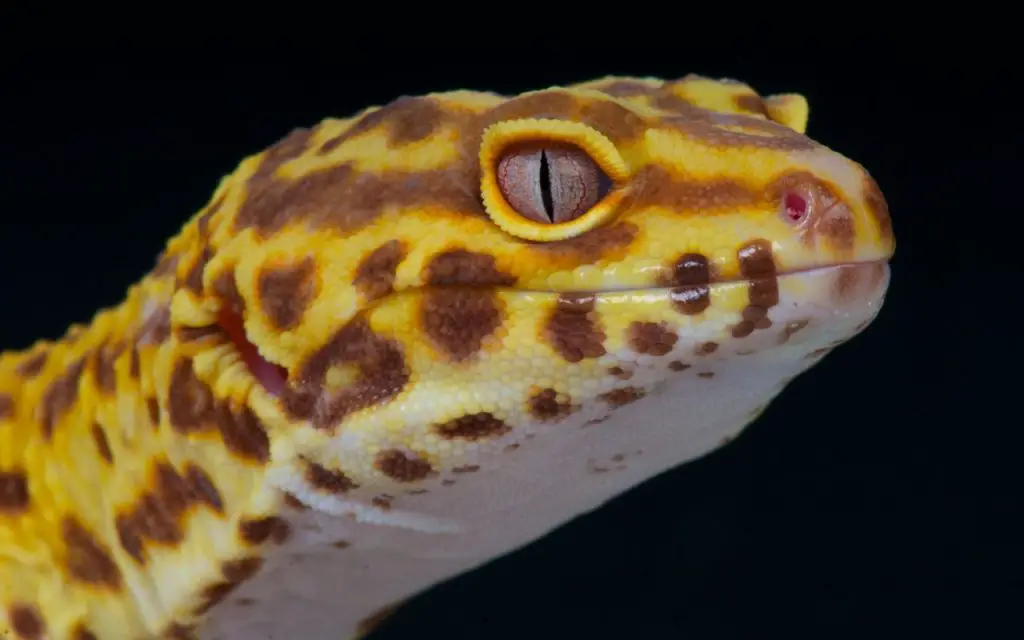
(274,378)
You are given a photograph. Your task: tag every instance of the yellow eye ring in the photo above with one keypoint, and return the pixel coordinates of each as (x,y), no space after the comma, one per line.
(549,135)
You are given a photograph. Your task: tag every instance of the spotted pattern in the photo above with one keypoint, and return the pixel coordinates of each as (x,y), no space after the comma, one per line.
(346,306)
(758,267)
(402,467)
(548,405)
(14,493)
(375,276)
(651,338)
(27,622)
(88,560)
(381,368)
(286,291)
(572,330)
(158,517)
(328,480)
(476,426)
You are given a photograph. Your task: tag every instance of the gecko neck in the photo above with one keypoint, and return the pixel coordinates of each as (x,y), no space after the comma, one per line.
(107,456)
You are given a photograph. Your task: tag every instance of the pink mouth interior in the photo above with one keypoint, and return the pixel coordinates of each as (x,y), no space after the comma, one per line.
(271,377)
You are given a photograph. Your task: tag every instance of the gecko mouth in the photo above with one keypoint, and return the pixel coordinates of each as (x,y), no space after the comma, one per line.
(274,378)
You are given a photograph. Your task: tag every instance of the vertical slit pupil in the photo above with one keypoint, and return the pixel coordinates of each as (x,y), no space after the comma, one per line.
(545,186)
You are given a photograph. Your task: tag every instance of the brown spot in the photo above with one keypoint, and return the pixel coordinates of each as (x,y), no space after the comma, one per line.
(99,438)
(157,514)
(106,377)
(408,119)
(705,348)
(225,287)
(328,479)
(375,275)
(273,528)
(59,396)
(261,208)
(341,544)
(459,320)
(466,468)
(603,243)
(157,326)
(14,496)
(32,365)
(447,482)
(6,406)
(135,366)
(620,373)
(690,195)
(878,207)
(243,433)
(166,265)
(623,396)
(706,374)
(343,198)
(845,284)
(27,622)
(546,406)
(791,328)
(378,361)
(382,502)
(691,277)
(837,225)
(758,266)
(612,119)
(752,103)
(402,467)
(571,329)
(459,266)
(676,365)
(194,278)
(475,426)
(235,573)
(190,403)
(82,632)
(88,560)
(294,502)
(153,408)
(652,338)
(373,621)
(286,292)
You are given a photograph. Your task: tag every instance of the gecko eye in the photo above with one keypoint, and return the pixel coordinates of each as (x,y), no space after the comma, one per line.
(551,184)
(545,180)
(795,206)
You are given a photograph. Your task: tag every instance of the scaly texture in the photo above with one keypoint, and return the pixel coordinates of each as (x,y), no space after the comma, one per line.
(395,346)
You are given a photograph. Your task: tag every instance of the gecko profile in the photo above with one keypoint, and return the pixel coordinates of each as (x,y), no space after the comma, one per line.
(395,346)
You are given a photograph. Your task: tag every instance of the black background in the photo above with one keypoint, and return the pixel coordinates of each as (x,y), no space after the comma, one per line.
(876,496)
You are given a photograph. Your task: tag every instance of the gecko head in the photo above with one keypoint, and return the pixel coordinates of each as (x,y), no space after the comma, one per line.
(425,284)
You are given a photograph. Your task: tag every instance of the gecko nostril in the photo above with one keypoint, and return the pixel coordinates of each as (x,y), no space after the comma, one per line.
(795,206)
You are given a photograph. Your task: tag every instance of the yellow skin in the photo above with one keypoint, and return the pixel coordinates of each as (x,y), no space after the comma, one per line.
(462,376)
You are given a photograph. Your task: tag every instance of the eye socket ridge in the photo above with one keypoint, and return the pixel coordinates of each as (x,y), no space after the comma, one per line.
(550,182)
